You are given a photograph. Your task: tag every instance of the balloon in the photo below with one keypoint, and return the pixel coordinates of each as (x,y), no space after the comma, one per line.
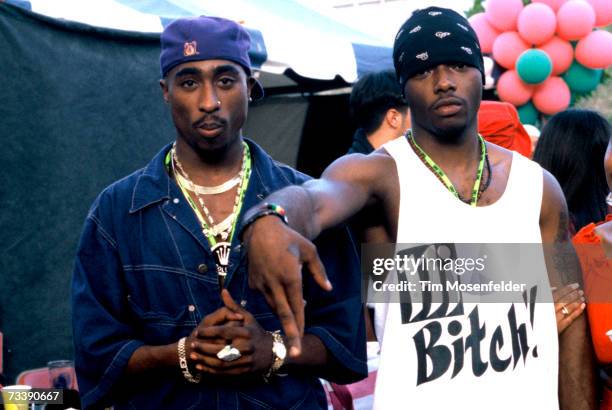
(511,89)
(581,79)
(553,4)
(533,66)
(576,96)
(503,14)
(575,19)
(552,96)
(537,23)
(528,113)
(603,12)
(560,52)
(595,50)
(507,47)
(484,30)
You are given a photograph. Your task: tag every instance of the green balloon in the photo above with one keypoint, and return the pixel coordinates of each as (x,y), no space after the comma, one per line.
(576,96)
(581,79)
(533,66)
(528,113)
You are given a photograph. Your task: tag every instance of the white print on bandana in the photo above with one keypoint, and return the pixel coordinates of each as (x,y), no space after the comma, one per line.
(423,56)
(434,13)
(399,33)
(442,34)
(467,50)
(463,27)
(401,57)
(414,30)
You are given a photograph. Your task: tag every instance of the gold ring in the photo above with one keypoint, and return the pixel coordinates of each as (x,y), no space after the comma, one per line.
(565,311)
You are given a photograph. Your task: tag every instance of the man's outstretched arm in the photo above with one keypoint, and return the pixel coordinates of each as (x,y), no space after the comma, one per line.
(278,252)
(576,362)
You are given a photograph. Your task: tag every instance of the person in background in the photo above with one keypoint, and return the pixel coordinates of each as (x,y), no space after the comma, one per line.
(571,147)
(381,113)
(379,110)
(499,123)
(594,247)
(534,135)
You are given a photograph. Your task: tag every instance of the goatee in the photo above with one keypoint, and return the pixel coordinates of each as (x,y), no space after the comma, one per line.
(449,135)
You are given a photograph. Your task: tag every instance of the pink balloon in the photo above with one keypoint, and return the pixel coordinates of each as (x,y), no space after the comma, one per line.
(603,12)
(537,23)
(507,47)
(560,52)
(553,4)
(511,89)
(503,14)
(552,96)
(575,19)
(484,30)
(595,50)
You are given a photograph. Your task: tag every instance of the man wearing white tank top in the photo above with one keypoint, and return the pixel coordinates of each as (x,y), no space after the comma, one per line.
(441,184)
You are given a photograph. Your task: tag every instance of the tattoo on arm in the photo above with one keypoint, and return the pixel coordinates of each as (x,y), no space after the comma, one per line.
(562,227)
(565,261)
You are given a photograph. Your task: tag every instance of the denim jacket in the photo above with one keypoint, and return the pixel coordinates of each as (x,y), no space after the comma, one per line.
(144,275)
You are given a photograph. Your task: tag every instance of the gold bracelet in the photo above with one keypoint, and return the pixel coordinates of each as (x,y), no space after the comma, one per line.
(279,352)
(183,363)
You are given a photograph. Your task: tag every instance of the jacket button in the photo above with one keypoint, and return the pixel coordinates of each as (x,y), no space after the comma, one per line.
(191,308)
(202,268)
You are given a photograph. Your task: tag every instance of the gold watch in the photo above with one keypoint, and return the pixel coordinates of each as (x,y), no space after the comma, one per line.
(279,352)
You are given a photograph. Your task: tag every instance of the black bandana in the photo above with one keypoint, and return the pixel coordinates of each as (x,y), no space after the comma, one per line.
(435,36)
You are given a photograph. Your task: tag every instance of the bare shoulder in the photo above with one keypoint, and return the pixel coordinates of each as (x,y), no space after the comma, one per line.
(553,200)
(554,215)
(604,232)
(361,168)
(499,157)
(500,161)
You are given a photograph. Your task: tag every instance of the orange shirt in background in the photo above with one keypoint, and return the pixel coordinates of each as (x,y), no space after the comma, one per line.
(499,123)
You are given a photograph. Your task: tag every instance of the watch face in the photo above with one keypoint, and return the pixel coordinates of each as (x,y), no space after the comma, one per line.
(280,350)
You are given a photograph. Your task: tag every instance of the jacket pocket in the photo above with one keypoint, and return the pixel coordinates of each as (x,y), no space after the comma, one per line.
(288,392)
(158,327)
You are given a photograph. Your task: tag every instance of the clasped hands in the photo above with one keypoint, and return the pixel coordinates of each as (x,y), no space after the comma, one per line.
(230,325)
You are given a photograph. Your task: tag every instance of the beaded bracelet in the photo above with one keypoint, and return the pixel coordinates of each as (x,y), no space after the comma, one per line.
(265,209)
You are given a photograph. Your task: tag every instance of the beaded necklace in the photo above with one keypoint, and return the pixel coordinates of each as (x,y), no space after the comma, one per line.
(225,230)
(477,189)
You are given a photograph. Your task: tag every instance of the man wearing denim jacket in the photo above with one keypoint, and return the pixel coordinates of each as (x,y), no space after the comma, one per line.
(163,315)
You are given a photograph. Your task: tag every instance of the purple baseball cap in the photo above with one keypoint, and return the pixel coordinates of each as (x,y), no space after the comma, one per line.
(206,38)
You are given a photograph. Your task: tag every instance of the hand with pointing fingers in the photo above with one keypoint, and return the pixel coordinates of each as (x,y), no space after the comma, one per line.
(277,255)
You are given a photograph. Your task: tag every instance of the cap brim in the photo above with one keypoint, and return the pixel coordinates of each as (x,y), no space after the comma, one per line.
(257,92)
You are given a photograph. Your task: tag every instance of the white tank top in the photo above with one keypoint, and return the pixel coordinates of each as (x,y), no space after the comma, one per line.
(423,365)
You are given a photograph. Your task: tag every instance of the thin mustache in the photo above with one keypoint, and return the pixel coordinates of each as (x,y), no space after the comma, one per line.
(209,119)
(447,99)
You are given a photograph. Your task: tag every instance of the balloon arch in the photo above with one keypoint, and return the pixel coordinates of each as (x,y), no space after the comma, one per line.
(552,51)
